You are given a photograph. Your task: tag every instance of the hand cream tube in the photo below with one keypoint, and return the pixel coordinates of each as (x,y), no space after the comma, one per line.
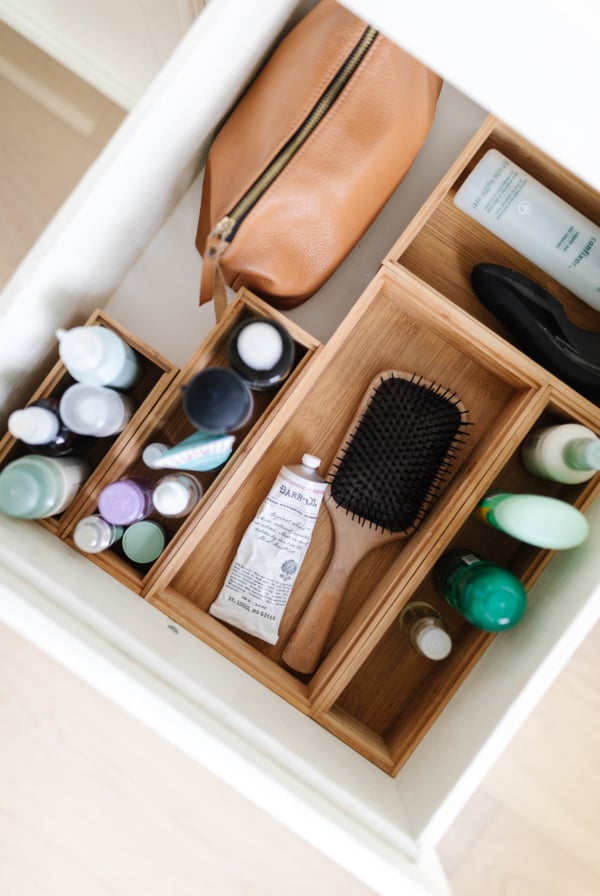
(536,222)
(269,556)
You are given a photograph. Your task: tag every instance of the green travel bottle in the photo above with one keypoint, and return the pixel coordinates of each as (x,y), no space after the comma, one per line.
(535,519)
(487,595)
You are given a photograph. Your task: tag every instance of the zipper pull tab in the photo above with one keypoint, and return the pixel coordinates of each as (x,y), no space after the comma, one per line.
(212,284)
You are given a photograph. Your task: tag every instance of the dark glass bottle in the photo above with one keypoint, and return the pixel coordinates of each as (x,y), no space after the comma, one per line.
(40,426)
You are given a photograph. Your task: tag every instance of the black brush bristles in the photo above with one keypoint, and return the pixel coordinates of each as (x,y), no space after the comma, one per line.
(401,450)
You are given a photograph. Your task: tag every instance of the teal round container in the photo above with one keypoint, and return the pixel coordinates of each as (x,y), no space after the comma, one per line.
(487,595)
(143,542)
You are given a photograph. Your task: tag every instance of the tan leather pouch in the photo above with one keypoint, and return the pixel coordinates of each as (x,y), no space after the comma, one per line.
(308,157)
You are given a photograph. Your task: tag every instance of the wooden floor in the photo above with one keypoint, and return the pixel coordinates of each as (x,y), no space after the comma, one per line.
(92,803)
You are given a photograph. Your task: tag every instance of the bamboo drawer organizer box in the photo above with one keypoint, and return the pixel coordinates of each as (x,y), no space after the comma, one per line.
(418,314)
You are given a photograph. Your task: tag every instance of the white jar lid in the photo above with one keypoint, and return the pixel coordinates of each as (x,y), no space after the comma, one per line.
(433,641)
(171,497)
(92,534)
(260,345)
(36,426)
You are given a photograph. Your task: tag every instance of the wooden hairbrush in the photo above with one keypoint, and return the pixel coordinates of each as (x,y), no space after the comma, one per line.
(391,463)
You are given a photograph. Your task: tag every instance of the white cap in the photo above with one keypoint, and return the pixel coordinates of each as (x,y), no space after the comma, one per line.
(35,426)
(309,460)
(172,496)
(260,345)
(432,640)
(152,453)
(94,410)
(82,348)
(92,534)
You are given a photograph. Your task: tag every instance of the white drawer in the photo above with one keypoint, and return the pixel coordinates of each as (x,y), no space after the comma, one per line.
(125,241)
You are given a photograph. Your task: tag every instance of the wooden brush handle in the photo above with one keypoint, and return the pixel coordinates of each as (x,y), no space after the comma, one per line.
(304,648)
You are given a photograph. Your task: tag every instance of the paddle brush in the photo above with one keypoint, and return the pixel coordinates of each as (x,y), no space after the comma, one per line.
(390,467)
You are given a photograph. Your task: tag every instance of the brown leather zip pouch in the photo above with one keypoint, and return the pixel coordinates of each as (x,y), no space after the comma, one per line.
(309,156)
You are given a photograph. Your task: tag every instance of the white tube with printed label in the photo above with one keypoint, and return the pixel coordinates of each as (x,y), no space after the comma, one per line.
(533,220)
(260,579)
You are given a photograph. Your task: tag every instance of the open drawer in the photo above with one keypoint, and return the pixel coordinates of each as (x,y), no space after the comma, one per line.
(136,259)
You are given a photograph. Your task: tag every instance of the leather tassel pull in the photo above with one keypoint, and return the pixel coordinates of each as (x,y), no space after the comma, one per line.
(212,284)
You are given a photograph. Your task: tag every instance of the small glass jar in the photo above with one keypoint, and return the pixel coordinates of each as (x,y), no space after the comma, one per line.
(426,630)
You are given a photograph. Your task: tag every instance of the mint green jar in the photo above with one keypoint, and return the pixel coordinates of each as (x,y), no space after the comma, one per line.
(33,487)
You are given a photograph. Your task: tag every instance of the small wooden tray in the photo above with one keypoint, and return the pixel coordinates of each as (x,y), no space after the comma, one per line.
(167,422)
(156,376)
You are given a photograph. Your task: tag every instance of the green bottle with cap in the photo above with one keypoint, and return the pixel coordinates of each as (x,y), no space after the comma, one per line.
(486,594)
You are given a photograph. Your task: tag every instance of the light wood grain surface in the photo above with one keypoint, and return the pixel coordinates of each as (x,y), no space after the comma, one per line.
(93,803)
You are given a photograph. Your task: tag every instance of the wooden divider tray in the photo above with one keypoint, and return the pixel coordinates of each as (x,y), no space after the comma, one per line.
(166,422)
(157,374)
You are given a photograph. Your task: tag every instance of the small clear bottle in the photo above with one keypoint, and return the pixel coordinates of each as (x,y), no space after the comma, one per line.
(486,594)
(40,425)
(262,352)
(567,452)
(93,534)
(426,630)
(176,494)
(97,356)
(34,486)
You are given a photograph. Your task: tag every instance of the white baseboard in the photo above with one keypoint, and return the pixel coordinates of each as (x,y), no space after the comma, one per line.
(100,77)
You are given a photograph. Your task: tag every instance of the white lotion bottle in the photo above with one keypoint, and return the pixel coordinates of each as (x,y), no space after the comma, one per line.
(567,452)
(533,220)
(98,357)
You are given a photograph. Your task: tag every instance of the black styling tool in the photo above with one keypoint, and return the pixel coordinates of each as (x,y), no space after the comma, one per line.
(540,326)
(392,461)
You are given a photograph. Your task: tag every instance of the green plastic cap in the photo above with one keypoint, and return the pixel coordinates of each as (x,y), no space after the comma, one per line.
(494,600)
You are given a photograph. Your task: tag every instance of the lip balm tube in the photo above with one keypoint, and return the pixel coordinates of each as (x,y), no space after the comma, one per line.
(144,541)
(217,400)
(126,501)
(262,352)
(97,356)
(93,534)
(33,487)
(95,410)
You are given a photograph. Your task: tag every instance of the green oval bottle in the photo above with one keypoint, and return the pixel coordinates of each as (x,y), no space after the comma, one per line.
(486,594)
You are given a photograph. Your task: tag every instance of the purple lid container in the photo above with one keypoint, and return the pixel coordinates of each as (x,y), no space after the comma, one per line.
(126,501)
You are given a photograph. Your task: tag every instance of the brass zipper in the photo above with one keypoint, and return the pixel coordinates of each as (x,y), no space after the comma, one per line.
(225,229)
